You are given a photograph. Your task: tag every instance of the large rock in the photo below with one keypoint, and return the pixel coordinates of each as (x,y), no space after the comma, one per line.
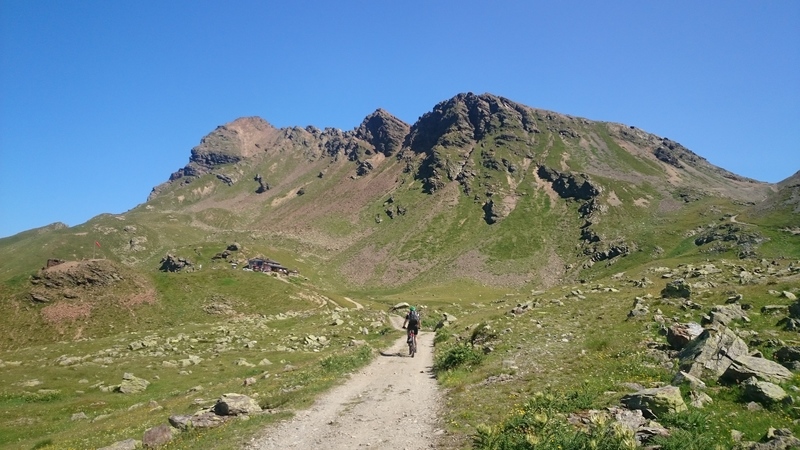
(762,392)
(131,384)
(656,402)
(774,440)
(235,405)
(710,354)
(680,334)
(197,421)
(789,357)
(157,436)
(693,382)
(744,367)
(794,310)
(677,288)
(725,314)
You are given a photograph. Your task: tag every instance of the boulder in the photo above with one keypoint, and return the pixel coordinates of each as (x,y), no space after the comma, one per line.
(131,384)
(762,392)
(197,421)
(789,295)
(677,288)
(725,314)
(680,334)
(639,308)
(774,309)
(794,310)
(789,357)
(157,436)
(744,367)
(774,440)
(235,405)
(712,352)
(401,305)
(683,377)
(656,402)
(699,399)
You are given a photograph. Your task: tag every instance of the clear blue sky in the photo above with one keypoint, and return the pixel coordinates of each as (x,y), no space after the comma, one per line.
(102,100)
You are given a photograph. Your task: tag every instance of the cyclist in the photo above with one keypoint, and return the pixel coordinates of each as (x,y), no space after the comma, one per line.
(413,321)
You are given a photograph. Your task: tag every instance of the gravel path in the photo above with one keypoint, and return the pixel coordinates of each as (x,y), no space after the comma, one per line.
(390,404)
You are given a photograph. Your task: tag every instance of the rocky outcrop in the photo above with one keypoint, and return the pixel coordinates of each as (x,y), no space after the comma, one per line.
(383,131)
(570,186)
(171,263)
(78,273)
(677,289)
(711,353)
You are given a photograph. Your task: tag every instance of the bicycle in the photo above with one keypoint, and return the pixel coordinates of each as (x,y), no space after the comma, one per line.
(412,343)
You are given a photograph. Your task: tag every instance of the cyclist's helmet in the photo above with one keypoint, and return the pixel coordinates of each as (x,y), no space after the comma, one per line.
(412,308)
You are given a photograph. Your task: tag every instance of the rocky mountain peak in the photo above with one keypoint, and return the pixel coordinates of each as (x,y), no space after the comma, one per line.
(466,118)
(383,131)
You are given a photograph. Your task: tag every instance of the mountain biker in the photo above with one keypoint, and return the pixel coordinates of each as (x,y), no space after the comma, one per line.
(413,321)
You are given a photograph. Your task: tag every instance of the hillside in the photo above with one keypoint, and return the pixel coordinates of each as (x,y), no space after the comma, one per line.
(567,249)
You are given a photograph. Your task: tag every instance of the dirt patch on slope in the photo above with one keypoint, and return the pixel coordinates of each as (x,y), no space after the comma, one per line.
(72,290)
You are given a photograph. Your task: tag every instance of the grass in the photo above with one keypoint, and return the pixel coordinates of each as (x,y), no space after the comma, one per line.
(46,408)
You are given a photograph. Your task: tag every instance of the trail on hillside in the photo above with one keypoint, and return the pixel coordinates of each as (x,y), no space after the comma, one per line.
(390,404)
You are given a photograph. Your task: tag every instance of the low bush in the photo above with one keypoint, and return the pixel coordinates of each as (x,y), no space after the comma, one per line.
(457,356)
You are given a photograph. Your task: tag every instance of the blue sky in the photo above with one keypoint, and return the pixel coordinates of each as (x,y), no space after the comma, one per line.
(102,100)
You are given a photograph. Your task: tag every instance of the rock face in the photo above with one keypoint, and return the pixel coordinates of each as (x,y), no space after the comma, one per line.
(235,405)
(711,353)
(569,185)
(656,402)
(384,131)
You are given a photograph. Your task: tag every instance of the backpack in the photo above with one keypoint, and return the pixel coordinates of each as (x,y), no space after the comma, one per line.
(413,318)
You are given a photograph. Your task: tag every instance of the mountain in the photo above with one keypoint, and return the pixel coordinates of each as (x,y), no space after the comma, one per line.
(480,186)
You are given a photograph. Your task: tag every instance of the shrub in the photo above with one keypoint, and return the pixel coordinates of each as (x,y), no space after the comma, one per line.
(457,356)
(442,335)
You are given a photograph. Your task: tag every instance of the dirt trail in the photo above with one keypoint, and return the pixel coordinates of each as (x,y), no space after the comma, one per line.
(390,404)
